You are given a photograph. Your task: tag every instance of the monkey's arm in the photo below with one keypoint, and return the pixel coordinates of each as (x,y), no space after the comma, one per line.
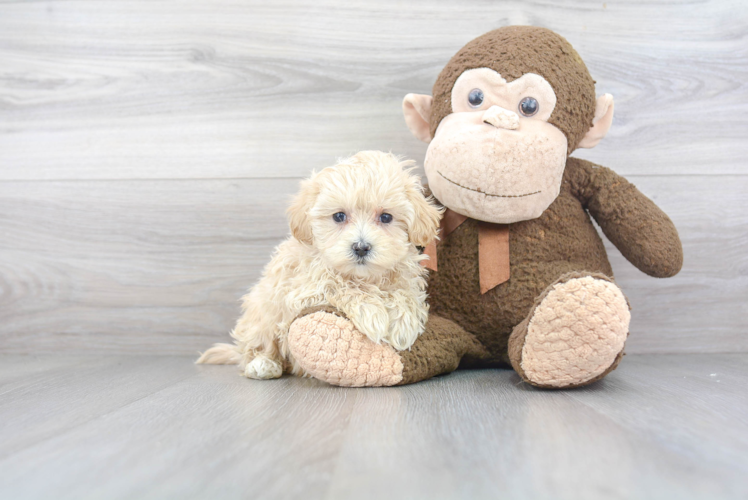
(643,233)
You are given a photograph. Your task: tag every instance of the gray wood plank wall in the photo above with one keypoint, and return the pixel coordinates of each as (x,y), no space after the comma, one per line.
(147,150)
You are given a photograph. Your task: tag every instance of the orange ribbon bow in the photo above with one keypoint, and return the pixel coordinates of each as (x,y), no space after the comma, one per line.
(493,249)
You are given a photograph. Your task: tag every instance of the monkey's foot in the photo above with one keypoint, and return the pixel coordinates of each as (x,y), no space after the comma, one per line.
(574,334)
(326,345)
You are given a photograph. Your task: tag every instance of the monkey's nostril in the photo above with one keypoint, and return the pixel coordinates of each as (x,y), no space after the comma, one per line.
(361,248)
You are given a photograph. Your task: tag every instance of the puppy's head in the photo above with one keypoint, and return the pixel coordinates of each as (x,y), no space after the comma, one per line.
(364,215)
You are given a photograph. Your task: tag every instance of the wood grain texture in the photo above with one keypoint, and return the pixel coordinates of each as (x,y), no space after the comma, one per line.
(661,426)
(49,403)
(148,148)
(187,89)
(159,267)
(132,266)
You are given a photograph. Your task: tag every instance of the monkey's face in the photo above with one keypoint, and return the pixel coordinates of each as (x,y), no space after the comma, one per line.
(496,158)
(508,109)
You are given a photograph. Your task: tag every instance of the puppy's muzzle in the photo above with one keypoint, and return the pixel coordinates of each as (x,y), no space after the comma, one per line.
(361,249)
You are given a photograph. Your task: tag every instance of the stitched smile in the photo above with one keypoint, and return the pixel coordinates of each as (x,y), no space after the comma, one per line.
(487,194)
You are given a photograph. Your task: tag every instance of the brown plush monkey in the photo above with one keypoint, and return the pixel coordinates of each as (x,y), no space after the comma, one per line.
(521,276)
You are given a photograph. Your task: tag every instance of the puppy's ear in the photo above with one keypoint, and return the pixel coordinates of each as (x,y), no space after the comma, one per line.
(425,225)
(298,212)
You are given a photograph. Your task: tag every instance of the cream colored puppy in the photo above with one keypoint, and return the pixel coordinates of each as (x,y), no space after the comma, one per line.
(355,227)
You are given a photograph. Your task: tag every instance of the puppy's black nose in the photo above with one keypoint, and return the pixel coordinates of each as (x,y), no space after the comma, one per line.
(361,248)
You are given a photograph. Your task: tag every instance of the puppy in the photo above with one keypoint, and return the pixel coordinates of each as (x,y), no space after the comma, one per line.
(355,229)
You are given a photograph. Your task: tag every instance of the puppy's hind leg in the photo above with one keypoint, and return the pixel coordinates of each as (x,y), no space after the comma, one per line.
(263,367)
(260,367)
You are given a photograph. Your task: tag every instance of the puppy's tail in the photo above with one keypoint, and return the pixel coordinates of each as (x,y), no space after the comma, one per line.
(220,354)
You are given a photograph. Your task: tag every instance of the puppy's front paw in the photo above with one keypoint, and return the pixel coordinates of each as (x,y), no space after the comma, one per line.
(404,330)
(371,320)
(263,368)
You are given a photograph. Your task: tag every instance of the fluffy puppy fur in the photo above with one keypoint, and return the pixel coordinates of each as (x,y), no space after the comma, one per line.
(355,227)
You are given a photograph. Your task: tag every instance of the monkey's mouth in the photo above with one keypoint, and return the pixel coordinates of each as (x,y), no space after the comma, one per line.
(479,190)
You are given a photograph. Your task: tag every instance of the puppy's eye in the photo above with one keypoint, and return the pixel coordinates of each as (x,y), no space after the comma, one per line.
(339,217)
(385,218)
(528,106)
(475,98)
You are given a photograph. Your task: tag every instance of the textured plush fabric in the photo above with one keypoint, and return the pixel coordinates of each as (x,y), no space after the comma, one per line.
(438,350)
(643,233)
(515,50)
(493,249)
(541,250)
(329,348)
(493,174)
(575,332)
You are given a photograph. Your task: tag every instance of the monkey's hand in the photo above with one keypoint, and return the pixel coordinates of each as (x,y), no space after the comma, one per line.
(643,233)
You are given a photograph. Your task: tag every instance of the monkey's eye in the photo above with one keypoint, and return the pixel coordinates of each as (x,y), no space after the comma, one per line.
(475,98)
(385,218)
(528,106)
(339,217)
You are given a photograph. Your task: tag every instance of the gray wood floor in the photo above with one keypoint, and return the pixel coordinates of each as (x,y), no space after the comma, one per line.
(662,426)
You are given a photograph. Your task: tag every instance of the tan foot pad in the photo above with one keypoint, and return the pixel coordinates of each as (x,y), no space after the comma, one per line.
(576,333)
(330,348)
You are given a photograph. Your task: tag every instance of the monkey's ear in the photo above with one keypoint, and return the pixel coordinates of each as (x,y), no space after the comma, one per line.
(298,212)
(417,111)
(600,123)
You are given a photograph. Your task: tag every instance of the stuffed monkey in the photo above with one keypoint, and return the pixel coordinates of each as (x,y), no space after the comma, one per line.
(520,276)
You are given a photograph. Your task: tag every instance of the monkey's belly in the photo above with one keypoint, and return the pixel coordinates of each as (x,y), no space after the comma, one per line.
(540,251)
